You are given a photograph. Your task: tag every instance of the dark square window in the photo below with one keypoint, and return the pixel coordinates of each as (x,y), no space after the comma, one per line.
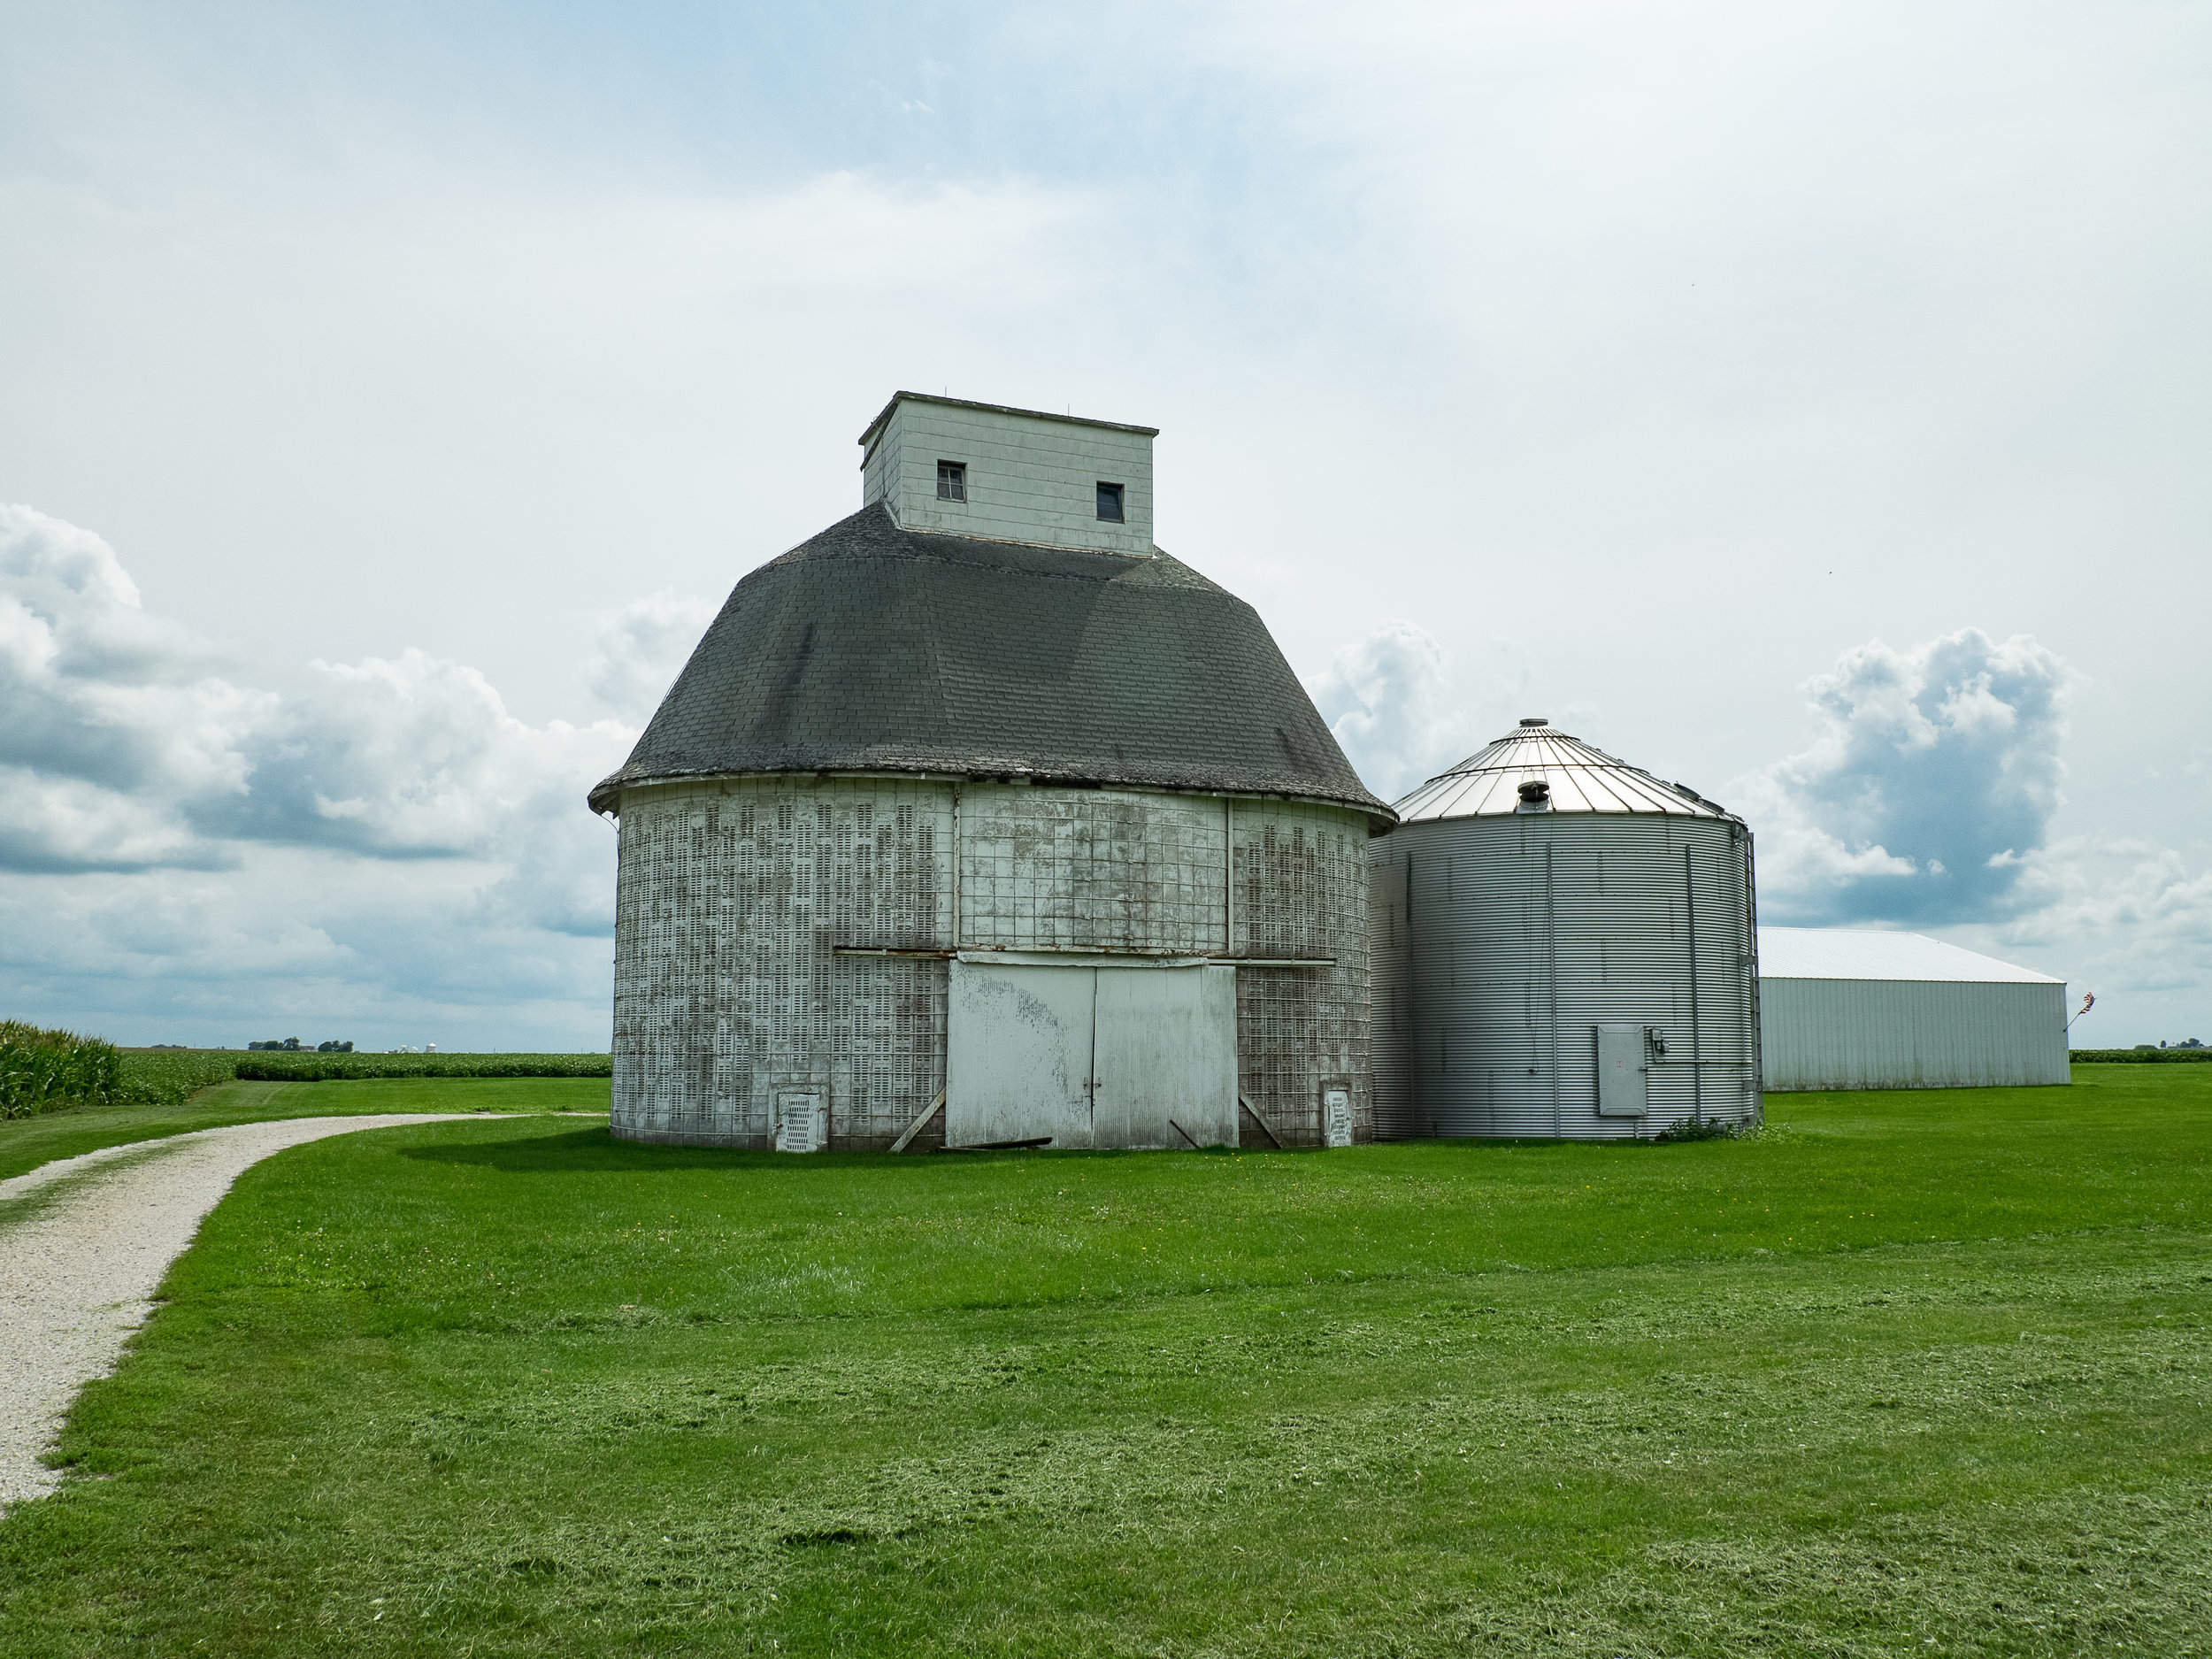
(952,480)
(1110,502)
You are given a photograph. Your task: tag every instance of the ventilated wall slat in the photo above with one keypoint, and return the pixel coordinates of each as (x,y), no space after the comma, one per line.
(732,895)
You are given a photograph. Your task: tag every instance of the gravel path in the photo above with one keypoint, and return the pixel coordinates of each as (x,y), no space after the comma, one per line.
(79,1268)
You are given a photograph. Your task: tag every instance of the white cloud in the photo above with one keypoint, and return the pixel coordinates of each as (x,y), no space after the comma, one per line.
(641,647)
(380,841)
(113,724)
(1384,696)
(2133,914)
(413,757)
(1929,800)
(1934,777)
(1400,707)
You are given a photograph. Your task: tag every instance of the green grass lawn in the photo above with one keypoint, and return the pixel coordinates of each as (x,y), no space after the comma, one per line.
(27,1142)
(1914,1373)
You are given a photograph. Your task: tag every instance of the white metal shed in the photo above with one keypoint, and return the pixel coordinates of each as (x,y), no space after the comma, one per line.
(1855,1008)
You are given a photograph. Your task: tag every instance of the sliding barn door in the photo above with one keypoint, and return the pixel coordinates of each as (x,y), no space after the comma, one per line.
(1166,1074)
(1091,1057)
(1017,1053)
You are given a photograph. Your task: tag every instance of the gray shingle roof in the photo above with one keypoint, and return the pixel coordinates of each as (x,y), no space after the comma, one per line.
(873,648)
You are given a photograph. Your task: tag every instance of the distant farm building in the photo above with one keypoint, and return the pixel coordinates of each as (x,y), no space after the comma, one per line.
(979,819)
(1561,946)
(1847,1008)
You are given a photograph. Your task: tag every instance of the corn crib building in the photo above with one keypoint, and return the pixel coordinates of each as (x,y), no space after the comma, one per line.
(977,820)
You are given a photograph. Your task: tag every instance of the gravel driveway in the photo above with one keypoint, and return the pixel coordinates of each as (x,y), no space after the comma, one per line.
(79,1265)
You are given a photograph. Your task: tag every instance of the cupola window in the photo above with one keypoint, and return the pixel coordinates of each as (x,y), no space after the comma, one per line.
(1110,502)
(952,480)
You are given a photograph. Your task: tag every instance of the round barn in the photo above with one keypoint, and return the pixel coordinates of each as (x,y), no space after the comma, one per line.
(977,820)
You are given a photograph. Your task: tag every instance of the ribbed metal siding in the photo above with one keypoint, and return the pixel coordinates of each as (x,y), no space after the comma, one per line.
(1500,943)
(1912,1033)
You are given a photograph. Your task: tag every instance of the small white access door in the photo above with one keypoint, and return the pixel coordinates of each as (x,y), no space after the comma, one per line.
(1621,1074)
(1090,1056)
(1336,1116)
(801,1120)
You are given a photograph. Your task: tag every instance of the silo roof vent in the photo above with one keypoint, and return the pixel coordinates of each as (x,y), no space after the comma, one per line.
(1537,766)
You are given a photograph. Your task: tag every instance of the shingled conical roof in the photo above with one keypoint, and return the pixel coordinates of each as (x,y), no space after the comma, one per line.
(874,648)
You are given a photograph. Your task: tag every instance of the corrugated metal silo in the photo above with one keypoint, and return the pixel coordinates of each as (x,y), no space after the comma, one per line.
(1562,945)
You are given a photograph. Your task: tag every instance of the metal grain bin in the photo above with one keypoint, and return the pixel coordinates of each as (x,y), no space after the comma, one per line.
(1562,945)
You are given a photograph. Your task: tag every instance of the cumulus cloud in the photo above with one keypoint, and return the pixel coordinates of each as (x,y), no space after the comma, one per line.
(1927,799)
(1929,786)
(381,833)
(113,724)
(130,749)
(2133,912)
(641,647)
(1388,699)
(407,757)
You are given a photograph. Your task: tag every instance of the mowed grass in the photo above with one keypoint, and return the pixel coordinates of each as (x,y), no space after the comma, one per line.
(27,1142)
(1912,1374)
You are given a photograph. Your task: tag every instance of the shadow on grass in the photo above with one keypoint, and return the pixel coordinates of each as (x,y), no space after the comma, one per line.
(588,1150)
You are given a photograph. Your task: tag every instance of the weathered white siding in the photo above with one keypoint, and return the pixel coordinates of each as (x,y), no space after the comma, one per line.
(729,899)
(1302,893)
(1030,477)
(1911,1033)
(735,895)
(1091,870)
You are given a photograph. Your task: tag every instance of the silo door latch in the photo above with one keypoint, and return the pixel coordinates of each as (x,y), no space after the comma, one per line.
(1621,1074)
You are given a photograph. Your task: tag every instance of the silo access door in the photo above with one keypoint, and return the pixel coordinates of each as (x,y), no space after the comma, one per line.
(1090,1054)
(1621,1074)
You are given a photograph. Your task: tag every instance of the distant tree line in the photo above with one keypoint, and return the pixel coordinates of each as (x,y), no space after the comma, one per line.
(291,1045)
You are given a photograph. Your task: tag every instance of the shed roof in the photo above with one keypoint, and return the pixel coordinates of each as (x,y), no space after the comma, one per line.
(883,418)
(1860,953)
(1582,778)
(869,648)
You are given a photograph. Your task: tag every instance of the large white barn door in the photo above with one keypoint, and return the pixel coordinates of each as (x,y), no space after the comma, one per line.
(1166,1074)
(1091,1057)
(1017,1053)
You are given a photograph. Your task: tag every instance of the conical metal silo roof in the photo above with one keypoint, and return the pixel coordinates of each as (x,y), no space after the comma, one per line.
(1576,778)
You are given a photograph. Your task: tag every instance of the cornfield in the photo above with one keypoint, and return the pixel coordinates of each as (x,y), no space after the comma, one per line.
(43,1070)
(331,1068)
(50,1071)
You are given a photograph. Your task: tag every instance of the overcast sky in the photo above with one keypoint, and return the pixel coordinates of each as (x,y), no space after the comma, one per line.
(1811,402)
